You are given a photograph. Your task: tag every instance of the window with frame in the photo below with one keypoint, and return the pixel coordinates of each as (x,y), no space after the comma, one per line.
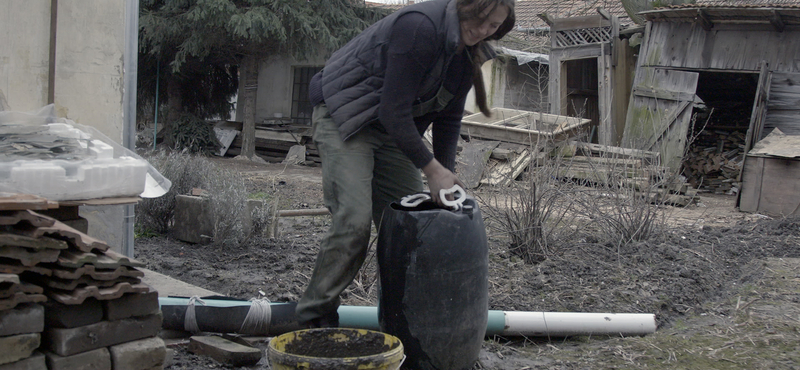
(301,105)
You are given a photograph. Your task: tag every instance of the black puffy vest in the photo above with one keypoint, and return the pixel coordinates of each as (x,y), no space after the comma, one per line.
(352,79)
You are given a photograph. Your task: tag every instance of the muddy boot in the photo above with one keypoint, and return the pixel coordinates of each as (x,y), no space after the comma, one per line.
(330,320)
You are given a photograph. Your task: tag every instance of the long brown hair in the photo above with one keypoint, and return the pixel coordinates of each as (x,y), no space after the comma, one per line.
(481,52)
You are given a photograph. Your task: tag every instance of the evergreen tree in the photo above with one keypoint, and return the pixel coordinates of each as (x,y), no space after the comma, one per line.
(202,49)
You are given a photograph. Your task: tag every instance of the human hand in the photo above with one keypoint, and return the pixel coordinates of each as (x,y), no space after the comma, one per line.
(440,178)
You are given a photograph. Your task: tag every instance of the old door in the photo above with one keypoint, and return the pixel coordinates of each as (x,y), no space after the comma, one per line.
(660,113)
(759,109)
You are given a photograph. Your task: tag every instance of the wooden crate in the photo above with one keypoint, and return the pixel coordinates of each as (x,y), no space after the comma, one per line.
(522,127)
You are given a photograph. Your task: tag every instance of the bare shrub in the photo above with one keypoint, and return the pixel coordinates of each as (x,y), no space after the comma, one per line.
(625,203)
(227,195)
(533,213)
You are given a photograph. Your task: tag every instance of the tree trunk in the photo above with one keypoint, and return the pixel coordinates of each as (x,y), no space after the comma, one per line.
(249,71)
(175,100)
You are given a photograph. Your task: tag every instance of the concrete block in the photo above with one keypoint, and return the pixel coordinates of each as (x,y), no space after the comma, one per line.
(132,305)
(98,359)
(18,347)
(224,351)
(258,218)
(34,362)
(59,315)
(26,318)
(67,342)
(142,354)
(194,221)
(169,358)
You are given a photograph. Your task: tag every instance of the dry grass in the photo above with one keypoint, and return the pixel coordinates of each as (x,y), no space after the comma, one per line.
(227,197)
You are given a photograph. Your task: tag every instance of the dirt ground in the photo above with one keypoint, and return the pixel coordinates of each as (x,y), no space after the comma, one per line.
(724,286)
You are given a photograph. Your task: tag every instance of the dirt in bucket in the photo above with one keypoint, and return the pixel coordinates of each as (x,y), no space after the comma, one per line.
(331,344)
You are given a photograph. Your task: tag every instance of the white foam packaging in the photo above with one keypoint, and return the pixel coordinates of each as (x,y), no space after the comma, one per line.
(107,169)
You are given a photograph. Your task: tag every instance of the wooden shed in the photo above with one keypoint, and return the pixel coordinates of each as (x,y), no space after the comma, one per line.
(724,69)
(591,69)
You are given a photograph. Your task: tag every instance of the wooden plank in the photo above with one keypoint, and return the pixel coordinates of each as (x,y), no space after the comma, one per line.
(757,116)
(750,193)
(664,95)
(19,202)
(783,103)
(573,23)
(471,162)
(649,157)
(507,171)
(610,162)
(650,119)
(772,186)
(99,201)
(739,47)
(606,130)
(672,116)
(542,127)
(782,179)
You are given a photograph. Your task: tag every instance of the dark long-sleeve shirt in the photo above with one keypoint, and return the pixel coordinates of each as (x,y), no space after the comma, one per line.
(410,55)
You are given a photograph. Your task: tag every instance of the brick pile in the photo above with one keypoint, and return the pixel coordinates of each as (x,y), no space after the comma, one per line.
(69,302)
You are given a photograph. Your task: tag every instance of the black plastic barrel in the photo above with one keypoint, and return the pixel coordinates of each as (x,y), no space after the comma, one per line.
(433,266)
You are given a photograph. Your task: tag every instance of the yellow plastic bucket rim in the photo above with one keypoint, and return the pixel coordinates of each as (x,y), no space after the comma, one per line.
(394,352)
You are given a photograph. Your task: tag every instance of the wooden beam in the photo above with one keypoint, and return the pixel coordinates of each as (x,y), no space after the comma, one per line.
(604,13)
(777,21)
(662,94)
(667,123)
(589,149)
(546,19)
(703,20)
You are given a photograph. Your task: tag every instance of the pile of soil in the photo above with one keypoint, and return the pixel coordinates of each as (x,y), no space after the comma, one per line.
(697,272)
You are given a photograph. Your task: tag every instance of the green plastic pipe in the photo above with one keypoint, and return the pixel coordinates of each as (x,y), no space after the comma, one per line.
(508,323)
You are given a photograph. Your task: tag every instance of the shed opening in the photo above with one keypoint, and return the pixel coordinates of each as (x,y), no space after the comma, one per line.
(716,137)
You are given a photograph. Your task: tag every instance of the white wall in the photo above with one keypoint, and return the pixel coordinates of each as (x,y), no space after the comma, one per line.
(24,36)
(494,80)
(275,79)
(89,50)
(88,82)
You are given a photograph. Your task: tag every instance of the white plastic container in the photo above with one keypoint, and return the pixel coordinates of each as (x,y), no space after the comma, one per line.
(101,168)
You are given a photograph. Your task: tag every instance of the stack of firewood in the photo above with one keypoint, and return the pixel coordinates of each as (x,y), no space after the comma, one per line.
(714,161)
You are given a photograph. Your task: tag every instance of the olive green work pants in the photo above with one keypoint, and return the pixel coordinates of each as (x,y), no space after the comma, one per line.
(360,177)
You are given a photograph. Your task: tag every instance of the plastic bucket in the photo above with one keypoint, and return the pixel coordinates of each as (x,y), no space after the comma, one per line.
(335,348)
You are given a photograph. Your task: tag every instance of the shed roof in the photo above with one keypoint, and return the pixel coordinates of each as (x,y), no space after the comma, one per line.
(784,12)
(528,11)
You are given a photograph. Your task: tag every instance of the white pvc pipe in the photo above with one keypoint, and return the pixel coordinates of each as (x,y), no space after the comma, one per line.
(504,323)
(558,324)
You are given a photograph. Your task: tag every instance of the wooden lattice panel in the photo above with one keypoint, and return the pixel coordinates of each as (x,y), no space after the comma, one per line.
(583,36)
